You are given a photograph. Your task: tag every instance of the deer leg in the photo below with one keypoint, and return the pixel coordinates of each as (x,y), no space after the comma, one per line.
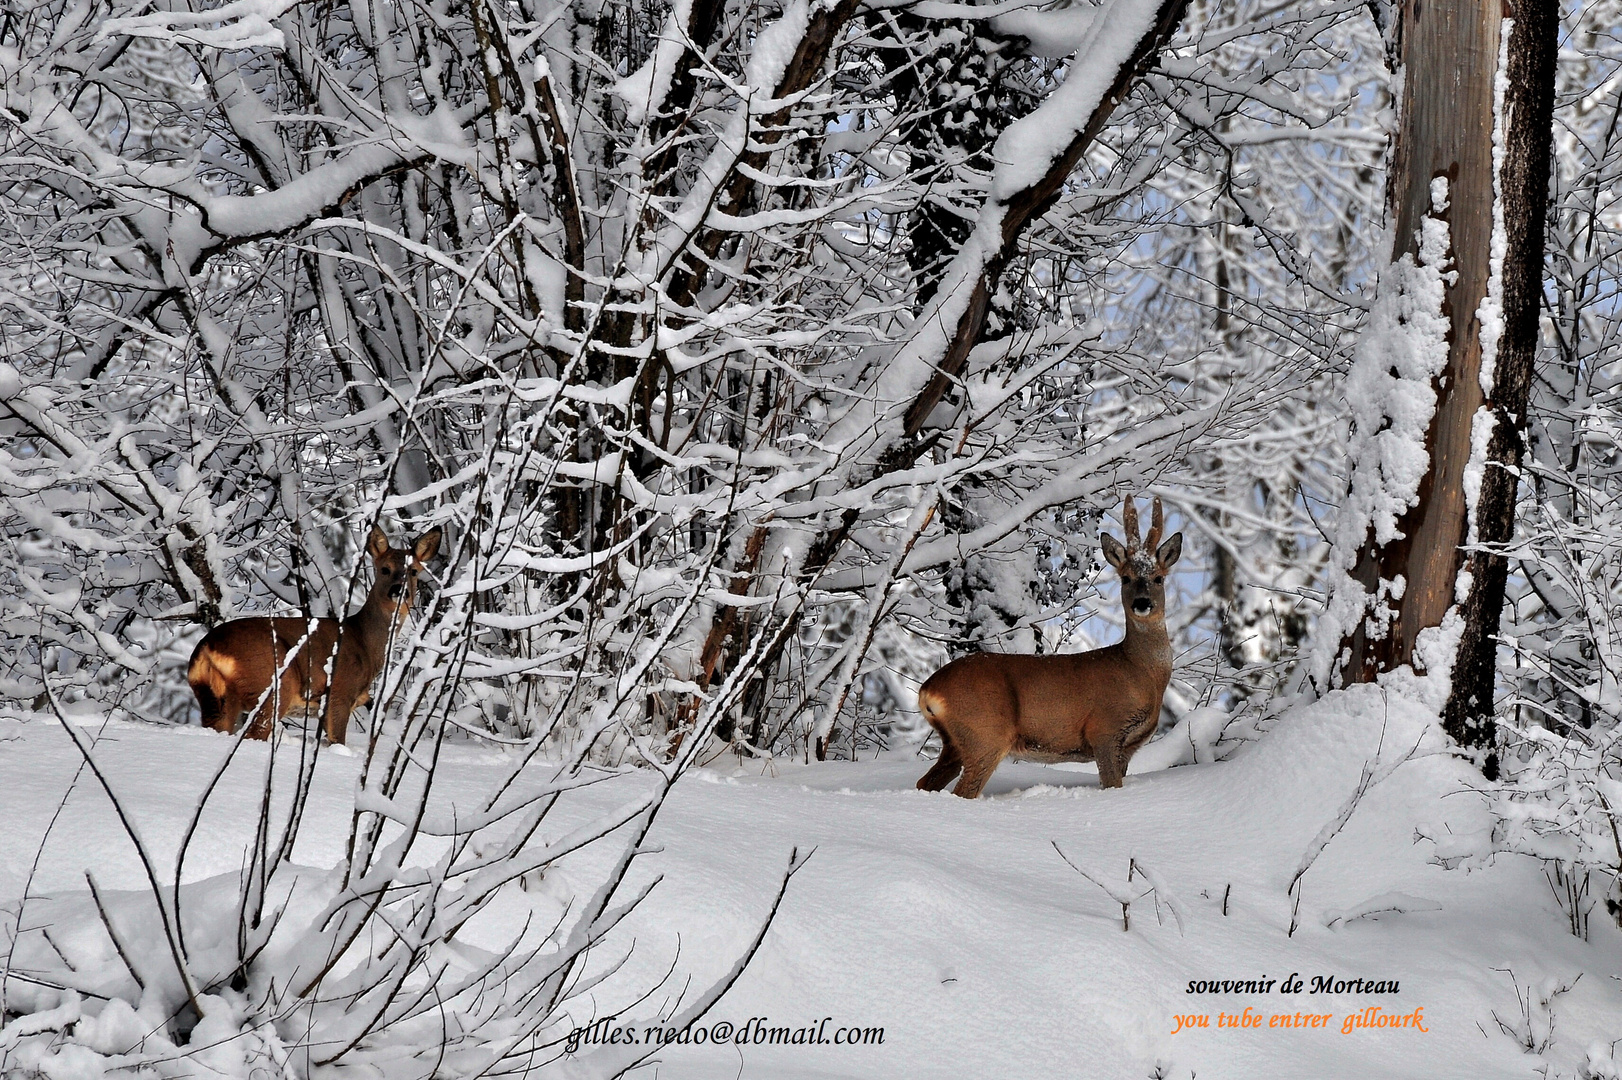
(276,704)
(341,701)
(344,692)
(945,768)
(338,722)
(264,718)
(211,707)
(217,712)
(979,762)
(1117,750)
(1111,763)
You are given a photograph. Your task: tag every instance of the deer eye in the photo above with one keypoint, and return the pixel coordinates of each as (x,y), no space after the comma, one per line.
(1159,579)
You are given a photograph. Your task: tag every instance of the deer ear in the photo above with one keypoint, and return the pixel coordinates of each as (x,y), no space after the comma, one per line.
(1170,551)
(1113,551)
(377,543)
(427,545)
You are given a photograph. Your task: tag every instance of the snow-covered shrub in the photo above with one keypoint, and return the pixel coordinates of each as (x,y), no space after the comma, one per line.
(1534,1028)
(411,957)
(1601,1063)
(1560,801)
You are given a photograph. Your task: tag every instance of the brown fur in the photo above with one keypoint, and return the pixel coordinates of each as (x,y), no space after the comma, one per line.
(1093,706)
(233,666)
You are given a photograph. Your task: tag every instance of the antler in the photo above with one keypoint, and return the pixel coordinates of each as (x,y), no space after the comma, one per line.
(1157,525)
(1129,522)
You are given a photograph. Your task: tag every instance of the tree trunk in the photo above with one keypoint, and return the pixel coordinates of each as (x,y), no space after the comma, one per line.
(1524,194)
(1449,53)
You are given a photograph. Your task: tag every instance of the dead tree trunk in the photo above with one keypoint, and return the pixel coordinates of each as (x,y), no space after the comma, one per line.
(1524,193)
(1449,52)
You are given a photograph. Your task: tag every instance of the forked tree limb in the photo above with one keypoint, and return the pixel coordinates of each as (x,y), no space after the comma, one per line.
(1030,203)
(742,191)
(1019,210)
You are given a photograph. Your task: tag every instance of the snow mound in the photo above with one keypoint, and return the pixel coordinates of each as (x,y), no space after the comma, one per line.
(979,938)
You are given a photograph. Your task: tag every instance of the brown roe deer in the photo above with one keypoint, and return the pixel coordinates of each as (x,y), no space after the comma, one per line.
(232,667)
(1099,706)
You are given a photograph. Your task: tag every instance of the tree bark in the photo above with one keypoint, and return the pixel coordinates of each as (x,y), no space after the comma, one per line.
(1524,191)
(1449,53)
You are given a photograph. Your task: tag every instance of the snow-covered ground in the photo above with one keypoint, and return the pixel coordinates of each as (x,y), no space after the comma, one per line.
(955,927)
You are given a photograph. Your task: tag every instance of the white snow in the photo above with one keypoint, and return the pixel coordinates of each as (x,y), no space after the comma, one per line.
(239,24)
(645,89)
(955,927)
(1490,313)
(1391,397)
(1481,427)
(1053,30)
(1029,146)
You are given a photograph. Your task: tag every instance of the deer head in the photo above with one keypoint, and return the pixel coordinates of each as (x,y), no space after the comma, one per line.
(394,587)
(1143,565)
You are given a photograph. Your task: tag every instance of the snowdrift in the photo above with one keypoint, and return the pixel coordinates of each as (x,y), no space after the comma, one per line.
(1049,929)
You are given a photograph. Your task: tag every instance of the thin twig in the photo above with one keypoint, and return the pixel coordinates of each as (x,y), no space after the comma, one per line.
(118,942)
(129,829)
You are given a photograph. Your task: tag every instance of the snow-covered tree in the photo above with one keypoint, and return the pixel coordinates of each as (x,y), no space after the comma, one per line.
(797,343)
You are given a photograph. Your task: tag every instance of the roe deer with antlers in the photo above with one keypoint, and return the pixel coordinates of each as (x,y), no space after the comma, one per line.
(232,667)
(1099,706)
